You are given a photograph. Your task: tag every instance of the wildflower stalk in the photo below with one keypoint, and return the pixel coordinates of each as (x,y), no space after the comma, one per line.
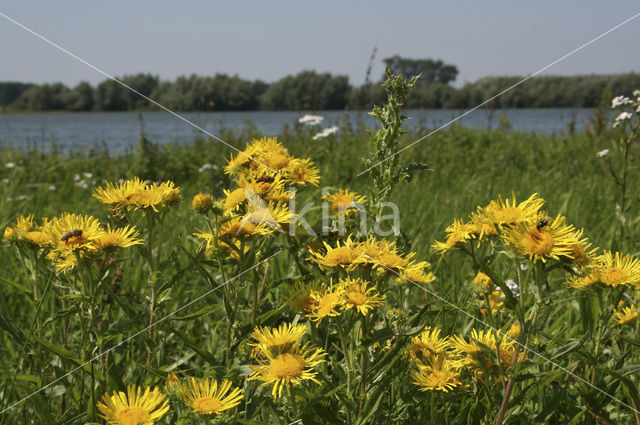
(626,148)
(386,171)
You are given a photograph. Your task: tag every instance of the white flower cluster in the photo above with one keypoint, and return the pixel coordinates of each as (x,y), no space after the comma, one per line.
(208,166)
(623,102)
(326,132)
(80,182)
(311,119)
(603,153)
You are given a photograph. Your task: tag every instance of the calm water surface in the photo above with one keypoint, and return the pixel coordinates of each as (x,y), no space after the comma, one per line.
(119,130)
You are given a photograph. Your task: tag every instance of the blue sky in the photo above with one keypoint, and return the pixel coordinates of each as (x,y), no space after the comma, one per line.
(268,40)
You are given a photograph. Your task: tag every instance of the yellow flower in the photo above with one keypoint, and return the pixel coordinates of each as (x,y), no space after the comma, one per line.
(480,351)
(482,282)
(18,232)
(63,264)
(204,396)
(611,270)
(233,199)
(72,232)
(230,249)
(302,171)
(496,300)
(172,385)
(625,316)
(283,338)
(269,186)
(551,241)
(26,230)
(428,345)
(360,295)
(328,302)
(383,256)
(439,374)
(134,408)
(119,238)
(238,228)
(618,269)
(290,368)
(135,194)
(118,195)
(343,202)
(202,203)
(458,233)
(342,256)
(300,296)
(270,215)
(503,213)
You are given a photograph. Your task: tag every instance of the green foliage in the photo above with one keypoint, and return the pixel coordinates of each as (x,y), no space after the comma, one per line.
(307,91)
(383,164)
(430,71)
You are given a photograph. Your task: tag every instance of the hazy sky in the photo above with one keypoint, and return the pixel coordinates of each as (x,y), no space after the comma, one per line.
(268,40)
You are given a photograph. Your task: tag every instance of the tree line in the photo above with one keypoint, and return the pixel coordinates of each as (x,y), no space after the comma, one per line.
(309,90)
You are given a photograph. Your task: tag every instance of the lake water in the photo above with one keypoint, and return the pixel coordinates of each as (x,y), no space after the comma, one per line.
(119,130)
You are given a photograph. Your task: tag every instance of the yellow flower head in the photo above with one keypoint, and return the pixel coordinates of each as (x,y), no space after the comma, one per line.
(206,397)
(480,351)
(302,171)
(343,202)
(625,316)
(609,270)
(118,238)
(544,239)
(271,215)
(300,296)
(495,301)
(439,374)
(18,232)
(73,232)
(234,199)
(383,256)
(118,195)
(428,345)
(457,234)
(482,282)
(134,408)
(509,212)
(236,227)
(172,385)
(360,295)
(288,368)
(280,339)
(328,302)
(135,194)
(202,203)
(344,256)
